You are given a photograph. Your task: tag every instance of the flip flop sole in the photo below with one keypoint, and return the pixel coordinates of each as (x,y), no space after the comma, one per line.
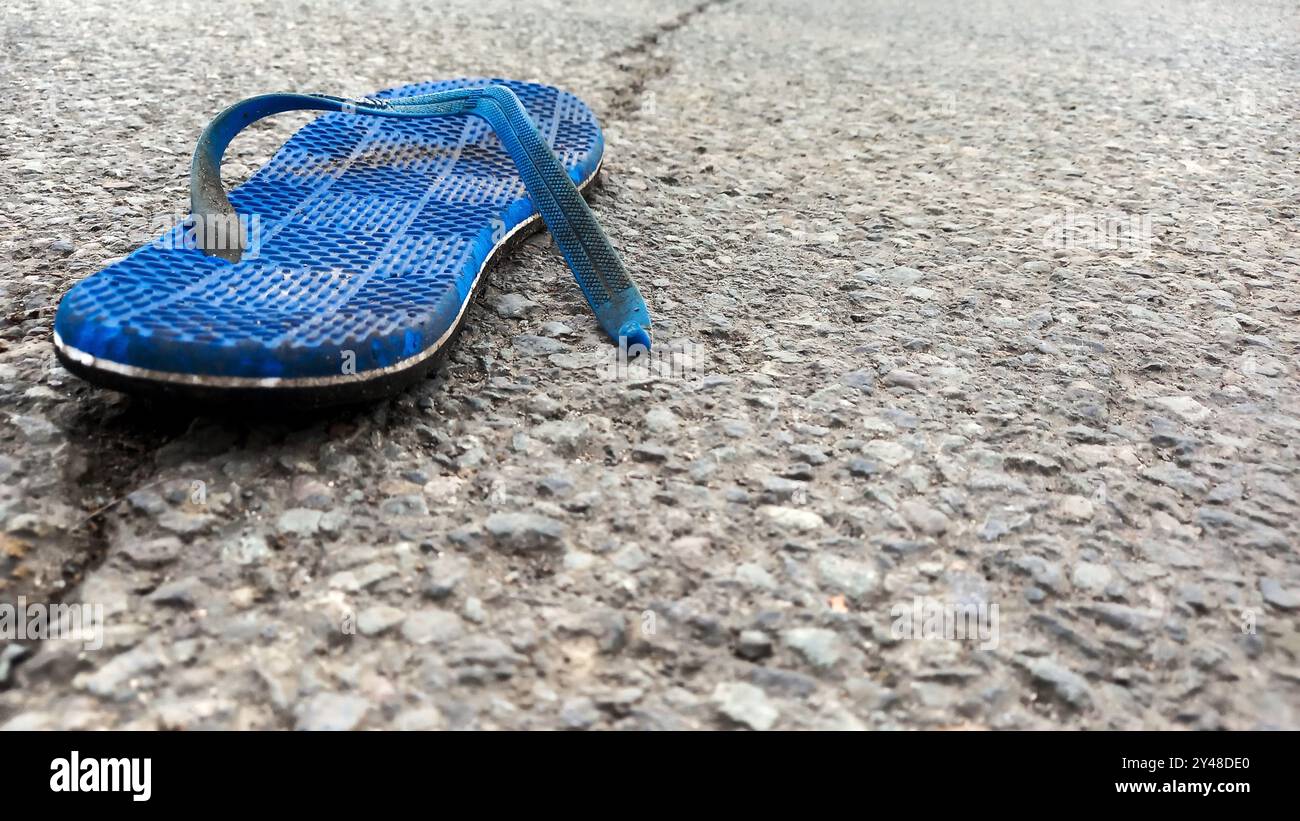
(303,392)
(376,238)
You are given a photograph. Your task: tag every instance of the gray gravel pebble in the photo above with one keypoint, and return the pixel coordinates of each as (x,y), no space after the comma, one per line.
(331,712)
(745,704)
(525,532)
(819,647)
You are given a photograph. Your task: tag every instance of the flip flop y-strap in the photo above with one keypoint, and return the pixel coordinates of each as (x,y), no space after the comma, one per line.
(595,264)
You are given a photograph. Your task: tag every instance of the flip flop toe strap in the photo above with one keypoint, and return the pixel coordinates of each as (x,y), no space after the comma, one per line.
(595,264)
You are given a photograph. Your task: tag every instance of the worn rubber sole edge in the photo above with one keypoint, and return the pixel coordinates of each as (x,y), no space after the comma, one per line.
(118,376)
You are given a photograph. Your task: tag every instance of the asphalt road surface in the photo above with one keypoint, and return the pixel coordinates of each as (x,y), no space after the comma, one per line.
(977,402)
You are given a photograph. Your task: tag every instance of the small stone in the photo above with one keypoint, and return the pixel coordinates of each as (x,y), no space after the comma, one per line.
(921,516)
(754,645)
(1090,577)
(566,434)
(862,467)
(362,577)
(801,471)
(147,501)
(1063,684)
(902,379)
(181,593)
(661,421)
(1029,462)
(579,713)
(630,559)
(556,484)
(780,489)
(812,454)
(993,529)
(525,532)
(792,518)
(410,504)
(1193,596)
(378,619)
(36,430)
(432,627)
(619,701)
(745,704)
(1122,617)
(153,553)
(578,560)
(606,625)
(1184,407)
(1166,433)
(544,405)
(783,682)
(420,719)
(312,493)
(855,579)
(885,452)
(863,381)
(527,345)
(819,647)
(10,654)
(299,521)
(513,306)
(1073,508)
(249,548)
(753,576)
(556,329)
(650,453)
(114,678)
(1278,596)
(184,523)
(32,720)
(1044,573)
(1181,480)
(331,712)
(903,276)
(443,574)
(483,658)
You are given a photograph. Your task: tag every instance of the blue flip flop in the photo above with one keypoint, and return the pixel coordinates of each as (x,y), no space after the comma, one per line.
(340,269)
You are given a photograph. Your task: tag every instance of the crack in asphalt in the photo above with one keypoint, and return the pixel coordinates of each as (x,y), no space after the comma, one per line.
(642,66)
(111,452)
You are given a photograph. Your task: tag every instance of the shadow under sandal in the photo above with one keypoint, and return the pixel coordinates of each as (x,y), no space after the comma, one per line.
(339,270)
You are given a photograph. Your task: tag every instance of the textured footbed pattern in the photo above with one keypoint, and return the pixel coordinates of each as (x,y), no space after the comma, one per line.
(370,233)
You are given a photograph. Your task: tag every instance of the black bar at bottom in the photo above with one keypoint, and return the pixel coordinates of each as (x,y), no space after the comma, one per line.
(213,771)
